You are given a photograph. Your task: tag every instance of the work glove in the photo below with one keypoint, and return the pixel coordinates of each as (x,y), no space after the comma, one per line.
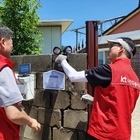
(60,58)
(87,99)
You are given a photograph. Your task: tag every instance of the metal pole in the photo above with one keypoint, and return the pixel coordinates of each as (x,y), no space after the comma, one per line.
(76,40)
(92,51)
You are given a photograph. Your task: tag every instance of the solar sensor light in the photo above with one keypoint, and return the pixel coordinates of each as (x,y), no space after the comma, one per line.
(67,50)
(56,50)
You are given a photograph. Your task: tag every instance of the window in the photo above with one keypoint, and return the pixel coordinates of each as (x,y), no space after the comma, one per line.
(102,56)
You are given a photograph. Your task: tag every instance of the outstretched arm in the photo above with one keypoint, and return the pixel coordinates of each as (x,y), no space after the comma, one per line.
(74,76)
(98,76)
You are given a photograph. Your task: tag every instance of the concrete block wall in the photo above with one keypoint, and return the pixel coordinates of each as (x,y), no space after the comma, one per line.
(63,116)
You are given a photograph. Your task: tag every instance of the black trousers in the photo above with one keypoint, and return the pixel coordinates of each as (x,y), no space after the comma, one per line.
(91,138)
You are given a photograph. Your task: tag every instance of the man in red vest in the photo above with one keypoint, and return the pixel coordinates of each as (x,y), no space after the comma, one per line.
(12,116)
(116,91)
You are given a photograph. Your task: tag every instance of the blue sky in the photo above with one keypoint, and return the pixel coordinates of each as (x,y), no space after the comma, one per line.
(84,10)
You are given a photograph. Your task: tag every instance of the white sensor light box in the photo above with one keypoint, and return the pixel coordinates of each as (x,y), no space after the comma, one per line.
(54,79)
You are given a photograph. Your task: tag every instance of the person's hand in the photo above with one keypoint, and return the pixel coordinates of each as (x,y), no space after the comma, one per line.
(87,99)
(35,125)
(60,58)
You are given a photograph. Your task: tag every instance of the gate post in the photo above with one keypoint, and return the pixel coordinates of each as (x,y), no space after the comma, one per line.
(92,52)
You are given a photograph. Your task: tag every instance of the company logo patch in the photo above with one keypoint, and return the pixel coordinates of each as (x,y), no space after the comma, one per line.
(129,82)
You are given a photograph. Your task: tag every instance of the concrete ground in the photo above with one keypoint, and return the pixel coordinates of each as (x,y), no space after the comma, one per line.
(136,122)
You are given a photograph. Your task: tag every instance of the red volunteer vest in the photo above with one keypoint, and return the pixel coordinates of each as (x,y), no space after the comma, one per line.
(8,130)
(111,112)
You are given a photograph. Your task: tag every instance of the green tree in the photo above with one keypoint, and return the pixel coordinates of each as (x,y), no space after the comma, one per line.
(22,18)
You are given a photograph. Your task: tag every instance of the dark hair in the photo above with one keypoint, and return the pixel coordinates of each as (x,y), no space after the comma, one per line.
(5,32)
(130,42)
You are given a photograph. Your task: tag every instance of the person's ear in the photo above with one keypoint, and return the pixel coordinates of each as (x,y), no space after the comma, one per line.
(2,41)
(122,49)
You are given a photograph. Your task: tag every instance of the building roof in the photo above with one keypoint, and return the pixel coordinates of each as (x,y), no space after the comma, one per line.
(102,40)
(119,23)
(64,23)
(134,35)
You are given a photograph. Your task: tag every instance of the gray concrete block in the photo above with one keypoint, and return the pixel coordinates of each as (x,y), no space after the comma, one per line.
(49,117)
(64,134)
(39,63)
(39,80)
(33,112)
(76,102)
(17,59)
(72,86)
(60,99)
(42,98)
(30,110)
(78,86)
(75,119)
(68,84)
(27,133)
(78,61)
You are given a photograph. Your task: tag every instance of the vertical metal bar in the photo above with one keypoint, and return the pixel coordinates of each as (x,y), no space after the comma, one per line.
(76,40)
(92,51)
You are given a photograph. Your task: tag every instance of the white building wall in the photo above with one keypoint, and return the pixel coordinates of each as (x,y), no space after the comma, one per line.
(51,38)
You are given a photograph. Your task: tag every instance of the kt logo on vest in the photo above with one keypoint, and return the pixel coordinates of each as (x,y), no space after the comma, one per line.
(129,82)
(123,79)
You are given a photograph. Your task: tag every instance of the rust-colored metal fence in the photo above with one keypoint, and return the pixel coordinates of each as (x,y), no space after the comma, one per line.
(92,51)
